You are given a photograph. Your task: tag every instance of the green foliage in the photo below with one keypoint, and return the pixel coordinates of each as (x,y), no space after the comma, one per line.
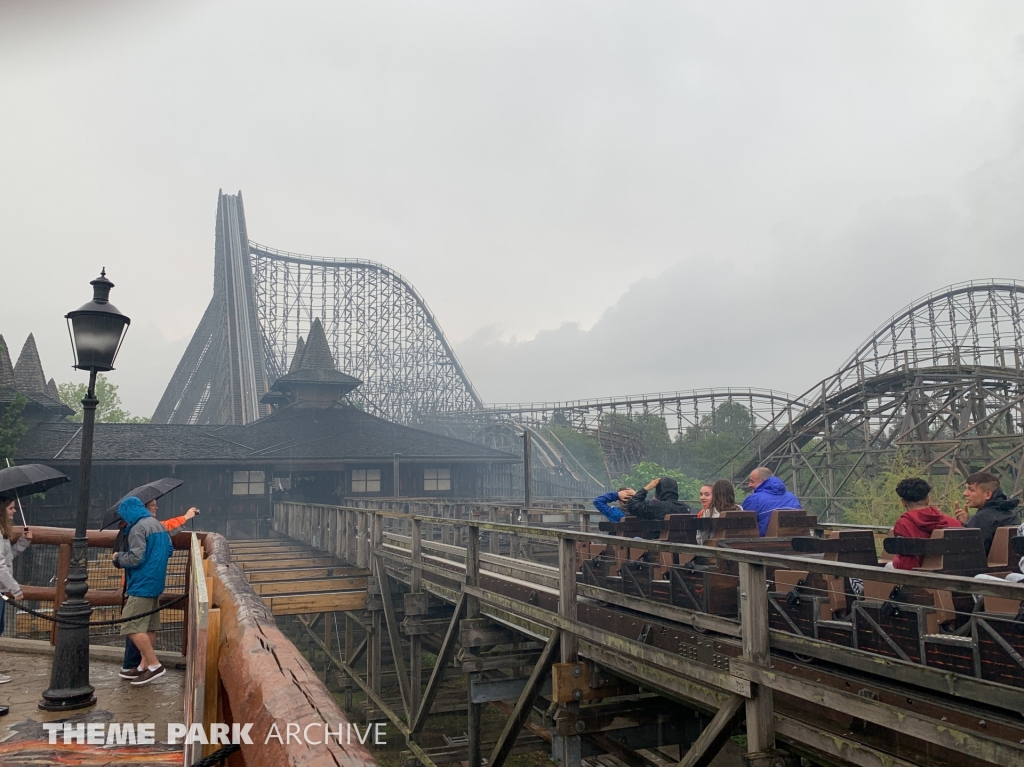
(12,427)
(109,409)
(709,450)
(583,449)
(874,501)
(646,471)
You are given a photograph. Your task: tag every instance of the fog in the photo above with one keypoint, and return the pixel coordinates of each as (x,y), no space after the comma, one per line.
(594,198)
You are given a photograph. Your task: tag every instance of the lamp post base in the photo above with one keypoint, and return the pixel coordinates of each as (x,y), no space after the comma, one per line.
(69,675)
(67,700)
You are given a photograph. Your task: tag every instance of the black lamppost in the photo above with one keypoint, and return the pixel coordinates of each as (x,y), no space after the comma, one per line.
(96,330)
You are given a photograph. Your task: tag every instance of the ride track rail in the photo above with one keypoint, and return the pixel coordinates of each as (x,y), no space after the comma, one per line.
(836,704)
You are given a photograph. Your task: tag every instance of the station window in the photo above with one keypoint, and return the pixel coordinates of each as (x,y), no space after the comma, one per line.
(437,479)
(365,480)
(248,483)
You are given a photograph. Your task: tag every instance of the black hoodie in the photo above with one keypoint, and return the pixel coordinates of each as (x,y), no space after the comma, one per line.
(998,511)
(667,502)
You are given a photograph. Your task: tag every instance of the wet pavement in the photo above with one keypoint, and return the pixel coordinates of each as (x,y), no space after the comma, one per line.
(24,742)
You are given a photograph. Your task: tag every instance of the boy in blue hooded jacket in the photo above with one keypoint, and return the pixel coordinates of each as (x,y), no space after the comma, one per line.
(145,565)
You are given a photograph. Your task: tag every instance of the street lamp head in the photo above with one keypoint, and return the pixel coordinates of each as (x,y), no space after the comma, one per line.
(97,329)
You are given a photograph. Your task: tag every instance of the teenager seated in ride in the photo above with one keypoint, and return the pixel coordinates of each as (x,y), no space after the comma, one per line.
(705,500)
(919,520)
(995,510)
(666,501)
(621,496)
(1017,577)
(723,498)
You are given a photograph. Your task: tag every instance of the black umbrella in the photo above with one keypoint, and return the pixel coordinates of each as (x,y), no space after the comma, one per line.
(145,493)
(32,478)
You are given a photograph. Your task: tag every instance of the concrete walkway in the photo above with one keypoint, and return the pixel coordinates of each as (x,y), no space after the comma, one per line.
(24,742)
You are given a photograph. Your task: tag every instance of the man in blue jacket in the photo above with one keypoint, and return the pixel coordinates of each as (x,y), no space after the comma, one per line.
(145,565)
(602,503)
(769,493)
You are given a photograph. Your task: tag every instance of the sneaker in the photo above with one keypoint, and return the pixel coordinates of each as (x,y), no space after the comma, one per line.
(129,673)
(147,676)
(4,710)
(4,679)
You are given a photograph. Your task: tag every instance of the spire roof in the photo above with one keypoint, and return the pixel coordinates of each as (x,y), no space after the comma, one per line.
(312,376)
(317,354)
(28,372)
(6,368)
(300,348)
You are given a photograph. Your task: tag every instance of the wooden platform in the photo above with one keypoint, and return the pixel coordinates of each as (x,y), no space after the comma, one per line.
(295,579)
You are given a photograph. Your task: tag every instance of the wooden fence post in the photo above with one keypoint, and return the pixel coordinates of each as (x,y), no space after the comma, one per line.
(754,625)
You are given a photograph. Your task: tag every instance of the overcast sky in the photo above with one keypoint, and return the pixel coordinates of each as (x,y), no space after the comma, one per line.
(594,198)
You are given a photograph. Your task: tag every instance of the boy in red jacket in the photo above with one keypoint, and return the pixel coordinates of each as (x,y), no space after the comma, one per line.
(919,519)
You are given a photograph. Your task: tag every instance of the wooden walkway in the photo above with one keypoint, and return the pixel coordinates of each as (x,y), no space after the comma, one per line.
(296,579)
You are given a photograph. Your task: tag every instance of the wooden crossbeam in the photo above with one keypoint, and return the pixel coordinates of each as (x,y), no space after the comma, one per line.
(444,656)
(521,711)
(396,642)
(710,742)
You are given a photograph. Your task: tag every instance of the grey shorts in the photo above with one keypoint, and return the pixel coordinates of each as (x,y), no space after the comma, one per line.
(136,605)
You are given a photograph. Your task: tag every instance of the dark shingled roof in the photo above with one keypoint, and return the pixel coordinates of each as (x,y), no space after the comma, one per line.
(6,369)
(334,432)
(28,371)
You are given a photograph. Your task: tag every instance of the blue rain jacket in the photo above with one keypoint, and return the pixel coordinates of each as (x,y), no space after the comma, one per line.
(769,495)
(602,504)
(149,548)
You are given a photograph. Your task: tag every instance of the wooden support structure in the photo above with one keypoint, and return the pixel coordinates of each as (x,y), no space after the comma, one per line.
(754,622)
(652,629)
(521,711)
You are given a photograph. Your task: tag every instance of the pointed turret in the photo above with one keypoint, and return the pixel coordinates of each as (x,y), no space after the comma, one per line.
(52,390)
(6,368)
(312,376)
(300,348)
(28,372)
(317,354)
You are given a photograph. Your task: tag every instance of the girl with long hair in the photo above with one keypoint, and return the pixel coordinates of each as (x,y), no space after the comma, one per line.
(7,554)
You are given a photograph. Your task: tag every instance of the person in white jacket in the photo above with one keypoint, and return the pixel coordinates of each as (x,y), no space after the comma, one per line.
(8,552)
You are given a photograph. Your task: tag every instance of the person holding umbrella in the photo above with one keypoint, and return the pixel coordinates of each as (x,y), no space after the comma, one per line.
(15,482)
(9,549)
(132,665)
(132,656)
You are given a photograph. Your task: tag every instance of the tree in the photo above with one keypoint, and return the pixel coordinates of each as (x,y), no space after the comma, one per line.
(646,471)
(12,427)
(874,500)
(109,409)
(705,450)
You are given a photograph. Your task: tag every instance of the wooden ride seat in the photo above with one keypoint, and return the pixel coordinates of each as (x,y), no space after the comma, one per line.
(999,555)
(856,547)
(786,523)
(951,550)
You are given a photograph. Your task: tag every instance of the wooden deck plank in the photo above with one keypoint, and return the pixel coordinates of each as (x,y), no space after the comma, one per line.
(297,604)
(309,586)
(288,563)
(305,573)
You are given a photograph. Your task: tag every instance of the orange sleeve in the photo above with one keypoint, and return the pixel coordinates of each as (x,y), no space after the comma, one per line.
(173,522)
